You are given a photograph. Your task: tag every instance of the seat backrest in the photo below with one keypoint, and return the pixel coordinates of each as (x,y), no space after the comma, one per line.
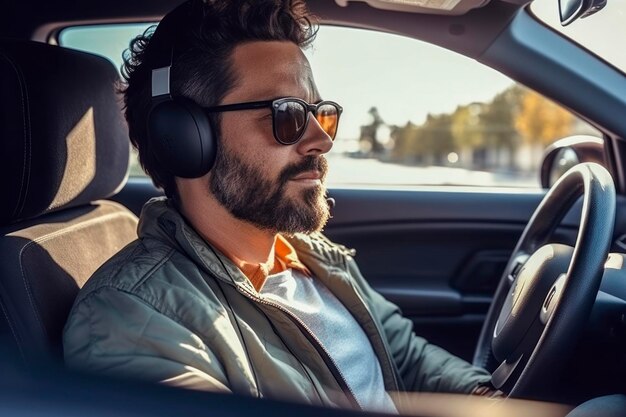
(63,149)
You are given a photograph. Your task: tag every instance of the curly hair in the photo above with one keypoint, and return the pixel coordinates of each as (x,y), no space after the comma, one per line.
(201,68)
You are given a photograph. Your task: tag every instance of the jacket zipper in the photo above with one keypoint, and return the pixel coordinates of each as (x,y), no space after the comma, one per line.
(387,354)
(358,295)
(330,362)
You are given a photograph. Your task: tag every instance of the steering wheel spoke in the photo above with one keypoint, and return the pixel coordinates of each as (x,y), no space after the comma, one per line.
(502,376)
(516,266)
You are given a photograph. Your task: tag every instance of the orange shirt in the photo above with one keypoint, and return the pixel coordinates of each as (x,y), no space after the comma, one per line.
(285,257)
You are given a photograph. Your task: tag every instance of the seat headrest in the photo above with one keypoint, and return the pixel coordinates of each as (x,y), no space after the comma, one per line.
(63,139)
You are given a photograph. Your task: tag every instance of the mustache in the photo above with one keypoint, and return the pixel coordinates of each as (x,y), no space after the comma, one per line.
(309,163)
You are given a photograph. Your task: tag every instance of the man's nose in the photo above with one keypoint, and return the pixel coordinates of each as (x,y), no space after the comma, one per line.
(315,140)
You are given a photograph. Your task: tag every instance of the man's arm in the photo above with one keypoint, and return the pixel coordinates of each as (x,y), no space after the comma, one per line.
(116,333)
(422,366)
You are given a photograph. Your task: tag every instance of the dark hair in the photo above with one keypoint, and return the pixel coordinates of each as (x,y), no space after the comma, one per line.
(201,67)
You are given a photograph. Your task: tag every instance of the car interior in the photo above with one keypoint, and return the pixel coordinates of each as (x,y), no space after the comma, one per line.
(458,252)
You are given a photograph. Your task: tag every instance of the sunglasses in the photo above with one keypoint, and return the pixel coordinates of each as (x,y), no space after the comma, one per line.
(290,116)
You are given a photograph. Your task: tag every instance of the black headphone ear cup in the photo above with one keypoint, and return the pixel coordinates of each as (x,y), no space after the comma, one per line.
(181,137)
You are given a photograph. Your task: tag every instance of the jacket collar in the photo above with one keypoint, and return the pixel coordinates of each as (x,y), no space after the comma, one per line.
(162,221)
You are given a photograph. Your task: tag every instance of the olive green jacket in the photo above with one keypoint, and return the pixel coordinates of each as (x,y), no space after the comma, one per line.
(169,308)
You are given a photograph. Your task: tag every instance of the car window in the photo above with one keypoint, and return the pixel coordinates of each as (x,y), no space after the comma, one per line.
(414,113)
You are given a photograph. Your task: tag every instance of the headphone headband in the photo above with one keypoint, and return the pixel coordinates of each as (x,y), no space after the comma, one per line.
(165,38)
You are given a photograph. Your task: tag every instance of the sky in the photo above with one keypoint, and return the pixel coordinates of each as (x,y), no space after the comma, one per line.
(404,78)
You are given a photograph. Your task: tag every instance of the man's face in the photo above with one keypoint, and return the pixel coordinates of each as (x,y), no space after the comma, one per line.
(273,186)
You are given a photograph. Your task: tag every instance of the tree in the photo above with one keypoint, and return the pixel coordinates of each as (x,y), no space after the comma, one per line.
(541,121)
(408,144)
(438,136)
(467,126)
(490,131)
(499,121)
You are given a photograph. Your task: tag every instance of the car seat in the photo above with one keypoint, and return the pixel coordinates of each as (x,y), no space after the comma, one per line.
(64,149)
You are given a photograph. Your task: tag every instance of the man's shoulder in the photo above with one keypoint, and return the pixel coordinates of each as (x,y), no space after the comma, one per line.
(124,268)
(136,269)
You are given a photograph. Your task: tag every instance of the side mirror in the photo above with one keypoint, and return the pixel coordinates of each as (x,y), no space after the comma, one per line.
(567,152)
(570,10)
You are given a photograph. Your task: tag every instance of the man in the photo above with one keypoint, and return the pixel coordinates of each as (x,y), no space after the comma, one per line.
(230,285)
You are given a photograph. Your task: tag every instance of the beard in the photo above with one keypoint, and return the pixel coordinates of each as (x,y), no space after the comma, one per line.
(246,192)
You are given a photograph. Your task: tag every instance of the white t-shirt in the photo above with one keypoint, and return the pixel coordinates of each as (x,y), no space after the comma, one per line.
(338,332)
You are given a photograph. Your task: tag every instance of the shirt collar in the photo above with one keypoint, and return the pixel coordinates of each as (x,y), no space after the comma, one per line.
(285,257)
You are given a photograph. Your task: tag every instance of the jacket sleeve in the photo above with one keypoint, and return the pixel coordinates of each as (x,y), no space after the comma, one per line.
(115,333)
(422,366)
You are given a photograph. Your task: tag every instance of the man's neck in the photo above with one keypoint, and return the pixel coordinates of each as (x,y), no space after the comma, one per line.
(241,241)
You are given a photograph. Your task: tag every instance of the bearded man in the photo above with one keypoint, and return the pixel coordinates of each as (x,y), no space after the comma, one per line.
(230,285)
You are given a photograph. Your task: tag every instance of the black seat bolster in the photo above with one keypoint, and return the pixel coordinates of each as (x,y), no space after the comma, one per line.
(45,264)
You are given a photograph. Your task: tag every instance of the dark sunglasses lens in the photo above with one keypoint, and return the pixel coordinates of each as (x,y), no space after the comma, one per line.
(328,117)
(289,121)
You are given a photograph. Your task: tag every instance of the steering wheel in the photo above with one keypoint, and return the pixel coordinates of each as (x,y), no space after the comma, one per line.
(547,290)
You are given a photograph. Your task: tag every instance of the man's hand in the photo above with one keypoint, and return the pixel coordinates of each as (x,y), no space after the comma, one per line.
(487,390)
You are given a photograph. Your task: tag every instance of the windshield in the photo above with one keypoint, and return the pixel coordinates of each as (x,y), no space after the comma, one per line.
(603,33)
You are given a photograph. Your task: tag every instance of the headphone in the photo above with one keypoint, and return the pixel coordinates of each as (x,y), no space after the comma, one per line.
(179,131)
